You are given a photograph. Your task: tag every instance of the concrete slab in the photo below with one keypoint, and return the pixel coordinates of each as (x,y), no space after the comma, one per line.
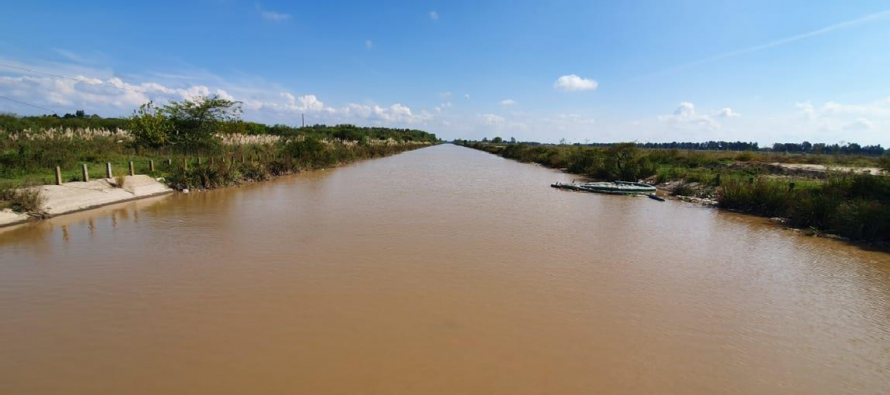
(77,196)
(9,217)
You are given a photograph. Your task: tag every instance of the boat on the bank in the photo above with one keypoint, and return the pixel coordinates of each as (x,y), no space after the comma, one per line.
(614,188)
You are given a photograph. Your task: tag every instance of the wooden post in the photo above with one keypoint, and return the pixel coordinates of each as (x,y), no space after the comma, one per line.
(211,161)
(199,161)
(185,163)
(86,172)
(132,169)
(108,170)
(151,165)
(58,175)
(169,163)
(717,180)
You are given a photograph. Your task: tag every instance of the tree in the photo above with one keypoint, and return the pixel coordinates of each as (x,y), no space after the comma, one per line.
(497,140)
(622,156)
(195,122)
(150,127)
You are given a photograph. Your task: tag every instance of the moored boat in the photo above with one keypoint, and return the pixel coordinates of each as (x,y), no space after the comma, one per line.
(619,187)
(614,188)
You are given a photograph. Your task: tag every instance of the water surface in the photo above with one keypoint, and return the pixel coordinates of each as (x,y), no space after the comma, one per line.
(438,271)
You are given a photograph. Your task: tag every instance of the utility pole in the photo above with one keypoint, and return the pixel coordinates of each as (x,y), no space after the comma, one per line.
(303,116)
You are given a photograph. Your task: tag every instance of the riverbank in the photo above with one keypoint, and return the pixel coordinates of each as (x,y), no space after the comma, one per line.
(70,197)
(851,205)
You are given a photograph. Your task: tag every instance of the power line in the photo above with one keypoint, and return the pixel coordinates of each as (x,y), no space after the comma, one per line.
(84,80)
(29,104)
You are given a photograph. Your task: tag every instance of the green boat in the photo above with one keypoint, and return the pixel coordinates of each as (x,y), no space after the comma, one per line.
(618,187)
(614,188)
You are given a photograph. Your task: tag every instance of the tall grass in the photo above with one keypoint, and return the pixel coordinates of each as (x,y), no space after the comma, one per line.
(853,206)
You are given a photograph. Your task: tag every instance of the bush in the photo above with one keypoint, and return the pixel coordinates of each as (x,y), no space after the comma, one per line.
(23,199)
(765,197)
(744,157)
(885,163)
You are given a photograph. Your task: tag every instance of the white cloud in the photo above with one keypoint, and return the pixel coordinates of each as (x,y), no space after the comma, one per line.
(508,102)
(70,55)
(467,96)
(859,124)
(491,119)
(442,107)
(685,117)
(307,103)
(434,15)
(392,115)
(807,109)
(112,96)
(272,15)
(834,116)
(727,113)
(574,83)
(369,44)
(445,95)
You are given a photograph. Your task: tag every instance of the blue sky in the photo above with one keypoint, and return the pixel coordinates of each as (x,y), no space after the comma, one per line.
(761,71)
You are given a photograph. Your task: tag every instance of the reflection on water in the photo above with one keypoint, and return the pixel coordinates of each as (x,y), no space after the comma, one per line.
(438,271)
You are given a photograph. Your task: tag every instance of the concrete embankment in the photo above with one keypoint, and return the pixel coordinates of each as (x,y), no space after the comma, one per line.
(78,196)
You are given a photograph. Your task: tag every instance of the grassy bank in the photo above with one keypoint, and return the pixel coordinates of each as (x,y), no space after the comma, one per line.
(28,158)
(195,145)
(855,206)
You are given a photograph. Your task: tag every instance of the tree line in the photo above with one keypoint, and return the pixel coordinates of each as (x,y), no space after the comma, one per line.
(798,148)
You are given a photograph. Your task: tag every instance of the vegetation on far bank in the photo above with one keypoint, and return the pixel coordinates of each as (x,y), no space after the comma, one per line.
(852,205)
(194,144)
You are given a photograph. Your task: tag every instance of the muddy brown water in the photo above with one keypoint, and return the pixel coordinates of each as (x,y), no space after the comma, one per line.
(438,271)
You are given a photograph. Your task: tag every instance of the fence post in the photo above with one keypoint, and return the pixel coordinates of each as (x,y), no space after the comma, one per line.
(199,161)
(169,163)
(108,170)
(185,163)
(132,170)
(717,180)
(58,175)
(86,172)
(151,165)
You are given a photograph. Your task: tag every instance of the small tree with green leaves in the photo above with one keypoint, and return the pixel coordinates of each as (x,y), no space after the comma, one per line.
(195,122)
(150,127)
(187,125)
